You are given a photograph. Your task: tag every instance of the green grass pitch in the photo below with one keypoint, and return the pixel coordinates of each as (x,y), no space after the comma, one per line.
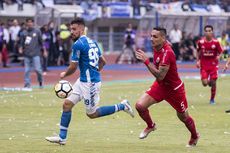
(26,118)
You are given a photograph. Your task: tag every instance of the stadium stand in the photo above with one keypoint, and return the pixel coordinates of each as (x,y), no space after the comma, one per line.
(107,20)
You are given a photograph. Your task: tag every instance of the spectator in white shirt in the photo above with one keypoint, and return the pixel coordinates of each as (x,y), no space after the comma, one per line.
(14,30)
(175,37)
(6,35)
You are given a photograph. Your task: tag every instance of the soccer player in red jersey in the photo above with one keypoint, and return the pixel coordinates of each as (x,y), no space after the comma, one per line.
(168,85)
(208,55)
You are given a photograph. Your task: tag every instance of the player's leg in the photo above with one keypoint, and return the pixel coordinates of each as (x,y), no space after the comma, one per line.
(213,91)
(177,99)
(64,123)
(205,82)
(38,70)
(108,110)
(213,79)
(204,77)
(67,106)
(190,124)
(27,64)
(142,106)
(155,94)
(92,98)
(66,117)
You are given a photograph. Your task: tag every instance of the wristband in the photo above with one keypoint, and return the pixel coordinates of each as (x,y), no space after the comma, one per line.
(147,62)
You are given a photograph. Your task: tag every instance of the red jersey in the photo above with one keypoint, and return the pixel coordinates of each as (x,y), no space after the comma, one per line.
(166,56)
(209,50)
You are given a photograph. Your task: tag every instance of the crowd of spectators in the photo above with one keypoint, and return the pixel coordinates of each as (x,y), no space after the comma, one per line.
(56,43)
(186,6)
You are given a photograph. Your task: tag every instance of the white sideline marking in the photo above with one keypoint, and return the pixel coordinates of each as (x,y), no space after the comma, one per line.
(21,94)
(15,89)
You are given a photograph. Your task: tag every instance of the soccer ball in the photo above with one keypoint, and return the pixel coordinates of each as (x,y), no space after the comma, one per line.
(63,89)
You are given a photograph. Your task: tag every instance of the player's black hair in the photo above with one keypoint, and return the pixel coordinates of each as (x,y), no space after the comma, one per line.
(162,30)
(208,26)
(79,21)
(29,19)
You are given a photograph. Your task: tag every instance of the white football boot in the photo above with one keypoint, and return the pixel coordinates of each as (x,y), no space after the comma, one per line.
(146,132)
(128,109)
(56,139)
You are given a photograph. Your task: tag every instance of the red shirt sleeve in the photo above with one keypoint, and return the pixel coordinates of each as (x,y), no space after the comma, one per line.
(166,59)
(219,48)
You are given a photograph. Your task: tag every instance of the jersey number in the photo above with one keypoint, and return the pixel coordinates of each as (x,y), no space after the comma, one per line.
(93,57)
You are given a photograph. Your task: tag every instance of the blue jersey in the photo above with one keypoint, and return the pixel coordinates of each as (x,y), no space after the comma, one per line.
(86,52)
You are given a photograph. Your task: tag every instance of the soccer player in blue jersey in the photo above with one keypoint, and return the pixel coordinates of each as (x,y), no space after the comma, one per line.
(87,55)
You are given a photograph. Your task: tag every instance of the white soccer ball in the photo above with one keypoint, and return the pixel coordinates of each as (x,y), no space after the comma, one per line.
(63,89)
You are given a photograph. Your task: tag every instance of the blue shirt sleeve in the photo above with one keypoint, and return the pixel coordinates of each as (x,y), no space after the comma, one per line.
(76,49)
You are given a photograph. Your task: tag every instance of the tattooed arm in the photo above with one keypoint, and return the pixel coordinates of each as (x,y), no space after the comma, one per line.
(158,73)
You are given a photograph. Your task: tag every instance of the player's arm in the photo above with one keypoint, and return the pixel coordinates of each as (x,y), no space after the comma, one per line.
(101,63)
(218,57)
(198,56)
(70,70)
(219,50)
(158,73)
(74,61)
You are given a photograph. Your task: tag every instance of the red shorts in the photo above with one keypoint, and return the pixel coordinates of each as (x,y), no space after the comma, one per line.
(176,98)
(209,73)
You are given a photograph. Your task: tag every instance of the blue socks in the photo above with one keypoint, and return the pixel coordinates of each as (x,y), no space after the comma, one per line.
(107,110)
(102,111)
(119,107)
(65,120)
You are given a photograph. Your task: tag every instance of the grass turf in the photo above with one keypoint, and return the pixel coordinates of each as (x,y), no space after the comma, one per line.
(26,118)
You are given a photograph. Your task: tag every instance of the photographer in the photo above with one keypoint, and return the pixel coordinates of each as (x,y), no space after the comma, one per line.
(127,55)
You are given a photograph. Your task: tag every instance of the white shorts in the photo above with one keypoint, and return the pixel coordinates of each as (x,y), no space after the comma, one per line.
(89,92)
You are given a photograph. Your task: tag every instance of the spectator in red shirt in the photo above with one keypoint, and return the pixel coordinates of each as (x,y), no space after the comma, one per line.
(4,54)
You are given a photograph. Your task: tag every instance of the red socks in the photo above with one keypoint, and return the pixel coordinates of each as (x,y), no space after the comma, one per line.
(144,114)
(190,124)
(213,92)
